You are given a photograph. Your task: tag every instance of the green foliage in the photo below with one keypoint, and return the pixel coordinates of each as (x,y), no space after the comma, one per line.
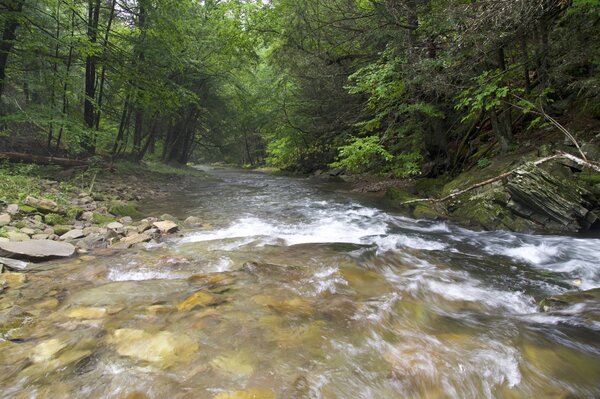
(487,93)
(123,209)
(362,154)
(282,153)
(483,163)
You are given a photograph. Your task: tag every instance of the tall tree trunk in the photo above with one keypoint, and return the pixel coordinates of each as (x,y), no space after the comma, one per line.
(65,99)
(9,34)
(88,142)
(55,71)
(103,71)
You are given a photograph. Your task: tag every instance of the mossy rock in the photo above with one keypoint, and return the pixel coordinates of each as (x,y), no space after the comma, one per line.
(54,219)
(395,197)
(74,213)
(431,187)
(426,211)
(122,209)
(98,197)
(20,224)
(62,229)
(28,209)
(98,218)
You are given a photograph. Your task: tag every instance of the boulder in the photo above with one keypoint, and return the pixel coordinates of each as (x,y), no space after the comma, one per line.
(37,249)
(43,204)
(28,231)
(72,235)
(166,226)
(4,219)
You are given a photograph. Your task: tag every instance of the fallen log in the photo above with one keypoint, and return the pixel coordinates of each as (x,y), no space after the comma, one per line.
(41,160)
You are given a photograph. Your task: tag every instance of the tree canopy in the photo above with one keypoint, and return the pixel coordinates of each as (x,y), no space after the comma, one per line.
(402,87)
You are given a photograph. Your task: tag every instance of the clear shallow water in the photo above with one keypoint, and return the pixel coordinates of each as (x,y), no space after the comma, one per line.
(293,289)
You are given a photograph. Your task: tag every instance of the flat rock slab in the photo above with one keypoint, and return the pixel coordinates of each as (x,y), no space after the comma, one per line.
(166,226)
(37,249)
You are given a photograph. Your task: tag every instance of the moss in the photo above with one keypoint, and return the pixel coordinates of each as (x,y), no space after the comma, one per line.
(74,212)
(99,197)
(62,229)
(425,211)
(397,195)
(20,224)
(121,209)
(54,219)
(3,232)
(430,187)
(98,218)
(27,209)
(589,177)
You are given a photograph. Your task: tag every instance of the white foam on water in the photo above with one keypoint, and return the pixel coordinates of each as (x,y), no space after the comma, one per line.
(533,254)
(140,275)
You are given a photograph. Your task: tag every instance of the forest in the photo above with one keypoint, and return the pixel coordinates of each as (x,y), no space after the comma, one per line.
(396,87)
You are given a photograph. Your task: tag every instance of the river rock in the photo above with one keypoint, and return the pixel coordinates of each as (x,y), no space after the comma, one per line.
(17,236)
(40,236)
(72,235)
(28,231)
(46,350)
(198,299)
(143,226)
(43,204)
(163,349)
(12,279)
(86,313)
(127,220)
(14,264)
(248,394)
(4,219)
(192,221)
(12,209)
(135,239)
(167,217)
(166,226)
(37,249)
(114,226)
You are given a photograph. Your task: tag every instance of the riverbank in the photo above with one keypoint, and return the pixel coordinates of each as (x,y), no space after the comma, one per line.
(48,212)
(537,191)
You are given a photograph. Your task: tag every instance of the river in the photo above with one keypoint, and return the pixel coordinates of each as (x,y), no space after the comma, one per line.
(296,288)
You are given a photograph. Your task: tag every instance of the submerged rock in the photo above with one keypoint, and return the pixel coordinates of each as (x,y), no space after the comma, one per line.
(197,299)
(164,348)
(248,394)
(37,249)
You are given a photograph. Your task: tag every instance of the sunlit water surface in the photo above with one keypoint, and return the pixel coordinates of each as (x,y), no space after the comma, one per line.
(296,289)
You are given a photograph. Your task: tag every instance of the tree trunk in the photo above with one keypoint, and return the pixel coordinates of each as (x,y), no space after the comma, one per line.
(88,141)
(9,34)
(103,72)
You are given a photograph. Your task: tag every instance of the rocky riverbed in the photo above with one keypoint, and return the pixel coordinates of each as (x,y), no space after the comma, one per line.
(66,222)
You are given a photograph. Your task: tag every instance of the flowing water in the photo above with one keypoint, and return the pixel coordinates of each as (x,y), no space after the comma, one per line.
(295,289)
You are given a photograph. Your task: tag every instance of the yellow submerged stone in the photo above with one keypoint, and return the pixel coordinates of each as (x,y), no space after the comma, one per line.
(163,348)
(248,394)
(197,299)
(86,313)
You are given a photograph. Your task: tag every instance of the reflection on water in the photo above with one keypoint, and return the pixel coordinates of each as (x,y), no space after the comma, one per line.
(294,290)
